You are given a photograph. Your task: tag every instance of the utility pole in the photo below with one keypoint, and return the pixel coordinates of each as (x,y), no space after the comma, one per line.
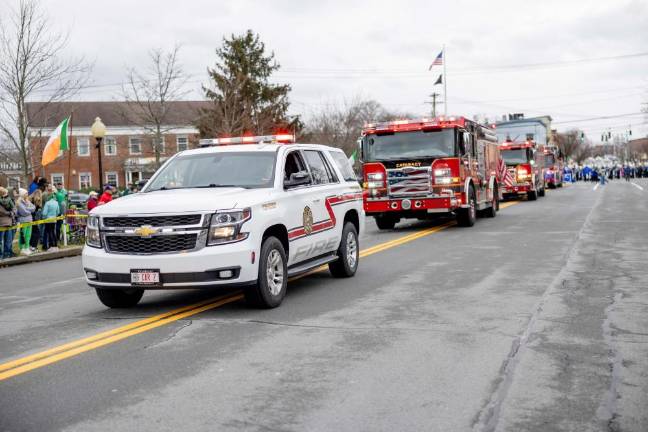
(434,102)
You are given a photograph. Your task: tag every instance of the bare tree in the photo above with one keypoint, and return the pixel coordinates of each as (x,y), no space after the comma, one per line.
(340,125)
(148,95)
(32,65)
(573,145)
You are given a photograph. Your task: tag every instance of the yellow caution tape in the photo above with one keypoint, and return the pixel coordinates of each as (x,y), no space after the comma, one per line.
(42,221)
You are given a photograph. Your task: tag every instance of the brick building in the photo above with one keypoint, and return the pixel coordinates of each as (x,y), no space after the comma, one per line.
(127,150)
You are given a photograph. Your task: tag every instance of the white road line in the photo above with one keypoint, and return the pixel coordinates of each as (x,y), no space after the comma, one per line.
(636,185)
(596,186)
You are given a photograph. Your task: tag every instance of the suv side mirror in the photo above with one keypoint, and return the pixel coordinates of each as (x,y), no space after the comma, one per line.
(297,179)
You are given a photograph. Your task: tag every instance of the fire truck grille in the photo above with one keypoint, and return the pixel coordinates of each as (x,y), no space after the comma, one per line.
(156,221)
(409,181)
(151,245)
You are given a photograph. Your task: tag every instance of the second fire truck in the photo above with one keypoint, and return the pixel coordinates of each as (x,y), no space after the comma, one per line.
(414,168)
(525,169)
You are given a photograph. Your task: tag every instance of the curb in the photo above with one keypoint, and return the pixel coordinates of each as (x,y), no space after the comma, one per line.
(43,256)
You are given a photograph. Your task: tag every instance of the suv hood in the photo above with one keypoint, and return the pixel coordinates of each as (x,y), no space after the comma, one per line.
(181,201)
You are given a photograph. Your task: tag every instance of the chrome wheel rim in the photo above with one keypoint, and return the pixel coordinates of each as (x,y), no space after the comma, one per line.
(351,250)
(275,272)
(473,212)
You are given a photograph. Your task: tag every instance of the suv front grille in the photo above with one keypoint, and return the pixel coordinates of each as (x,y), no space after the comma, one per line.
(156,221)
(151,245)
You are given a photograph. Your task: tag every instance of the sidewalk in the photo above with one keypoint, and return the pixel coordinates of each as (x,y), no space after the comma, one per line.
(42,256)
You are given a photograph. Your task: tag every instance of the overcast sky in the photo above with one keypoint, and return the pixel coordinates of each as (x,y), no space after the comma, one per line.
(334,50)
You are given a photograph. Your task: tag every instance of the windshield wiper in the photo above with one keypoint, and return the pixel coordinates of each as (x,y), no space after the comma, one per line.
(214,185)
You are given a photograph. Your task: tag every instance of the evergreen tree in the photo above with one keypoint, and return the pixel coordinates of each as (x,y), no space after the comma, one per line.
(243,99)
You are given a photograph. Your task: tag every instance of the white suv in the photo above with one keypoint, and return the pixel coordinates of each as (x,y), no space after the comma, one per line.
(252,215)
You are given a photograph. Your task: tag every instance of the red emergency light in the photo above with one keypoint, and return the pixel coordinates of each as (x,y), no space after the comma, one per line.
(414,124)
(261,139)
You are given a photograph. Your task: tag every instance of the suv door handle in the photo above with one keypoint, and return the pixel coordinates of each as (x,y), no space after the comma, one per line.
(317,200)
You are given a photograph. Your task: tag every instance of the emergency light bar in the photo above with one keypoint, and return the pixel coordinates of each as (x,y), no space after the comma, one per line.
(267,139)
(415,124)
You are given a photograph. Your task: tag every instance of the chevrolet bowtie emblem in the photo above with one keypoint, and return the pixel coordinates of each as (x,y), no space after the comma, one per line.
(146,231)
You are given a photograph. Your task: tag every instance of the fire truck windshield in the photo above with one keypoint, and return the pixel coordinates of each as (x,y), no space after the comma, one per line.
(514,157)
(409,145)
(550,159)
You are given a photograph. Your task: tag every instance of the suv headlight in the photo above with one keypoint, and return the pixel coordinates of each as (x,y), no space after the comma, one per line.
(226,226)
(93,237)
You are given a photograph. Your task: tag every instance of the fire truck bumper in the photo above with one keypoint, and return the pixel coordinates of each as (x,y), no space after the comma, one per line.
(429,205)
(516,190)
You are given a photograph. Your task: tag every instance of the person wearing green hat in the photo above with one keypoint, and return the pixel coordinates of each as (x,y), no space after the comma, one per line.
(61,198)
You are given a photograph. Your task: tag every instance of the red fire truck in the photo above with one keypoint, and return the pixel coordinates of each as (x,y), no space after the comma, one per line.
(415,168)
(553,168)
(525,165)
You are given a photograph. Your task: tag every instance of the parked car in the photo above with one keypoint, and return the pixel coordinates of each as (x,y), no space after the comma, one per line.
(77,199)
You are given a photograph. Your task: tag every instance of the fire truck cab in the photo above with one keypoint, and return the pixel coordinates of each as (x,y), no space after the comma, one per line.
(417,168)
(553,165)
(525,164)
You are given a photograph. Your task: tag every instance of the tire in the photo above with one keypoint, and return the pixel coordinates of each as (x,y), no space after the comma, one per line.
(466,217)
(541,192)
(119,299)
(270,289)
(386,222)
(348,253)
(491,212)
(532,195)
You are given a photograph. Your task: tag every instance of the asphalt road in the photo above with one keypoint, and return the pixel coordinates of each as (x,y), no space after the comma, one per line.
(536,320)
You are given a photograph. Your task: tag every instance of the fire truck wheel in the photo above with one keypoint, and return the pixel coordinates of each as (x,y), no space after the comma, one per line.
(118,299)
(348,253)
(491,212)
(270,289)
(386,222)
(466,217)
(532,195)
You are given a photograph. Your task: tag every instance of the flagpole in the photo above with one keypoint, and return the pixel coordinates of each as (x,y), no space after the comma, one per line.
(445,82)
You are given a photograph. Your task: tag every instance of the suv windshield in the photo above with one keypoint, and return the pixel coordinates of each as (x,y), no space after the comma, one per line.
(222,169)
(514,157)
(409,145)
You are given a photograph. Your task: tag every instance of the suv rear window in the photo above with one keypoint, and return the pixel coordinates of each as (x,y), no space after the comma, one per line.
(343,164)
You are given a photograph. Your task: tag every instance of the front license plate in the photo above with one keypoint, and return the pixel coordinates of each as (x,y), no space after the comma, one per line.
(145,277)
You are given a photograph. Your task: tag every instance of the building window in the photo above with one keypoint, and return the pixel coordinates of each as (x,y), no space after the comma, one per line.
(58,178)
(132,177)
(135,145)
(110,146)
(112,178)
(530,136)
(85,180)
(183,143)
(83,146)
(158,146)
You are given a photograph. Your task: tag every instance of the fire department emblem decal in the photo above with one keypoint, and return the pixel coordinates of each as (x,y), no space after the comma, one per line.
(308,220)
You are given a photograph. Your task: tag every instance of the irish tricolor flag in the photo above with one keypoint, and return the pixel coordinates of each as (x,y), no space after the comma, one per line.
(57,142)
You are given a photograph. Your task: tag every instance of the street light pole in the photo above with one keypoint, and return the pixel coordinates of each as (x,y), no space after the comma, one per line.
(98,132)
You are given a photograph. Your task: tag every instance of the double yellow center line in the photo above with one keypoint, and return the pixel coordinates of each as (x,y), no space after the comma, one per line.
(74,348)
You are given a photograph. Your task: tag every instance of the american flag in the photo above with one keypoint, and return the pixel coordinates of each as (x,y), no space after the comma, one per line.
(504,174)
(438,61)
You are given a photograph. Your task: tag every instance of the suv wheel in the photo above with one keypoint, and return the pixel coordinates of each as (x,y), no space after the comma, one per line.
(117,298)
(466,217)
(270,289)
(348,253)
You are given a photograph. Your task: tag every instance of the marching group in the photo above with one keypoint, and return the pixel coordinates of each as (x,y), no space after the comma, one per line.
(33,215)
(603,173)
